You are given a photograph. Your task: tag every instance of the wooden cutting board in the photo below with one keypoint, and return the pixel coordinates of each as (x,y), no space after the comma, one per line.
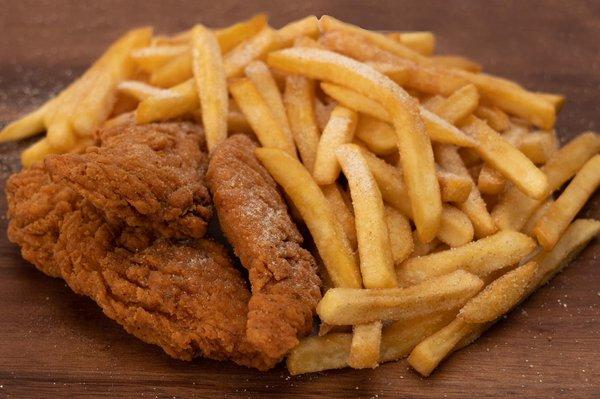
(54,343)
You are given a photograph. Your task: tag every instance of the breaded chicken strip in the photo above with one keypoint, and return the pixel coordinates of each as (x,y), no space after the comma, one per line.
(255,220)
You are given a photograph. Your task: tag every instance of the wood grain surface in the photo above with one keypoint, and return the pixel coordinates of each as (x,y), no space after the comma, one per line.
(54,343)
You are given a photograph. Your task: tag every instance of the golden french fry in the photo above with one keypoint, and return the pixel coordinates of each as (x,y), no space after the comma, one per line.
(26,126)
(36,152)
(236,122)
(400,233)
(490,181)
(421,42)
(454,187)
(376,263)
(558,217)
(328,234)
(455,229)
(424,248)
(415,148)
(320,353)
(480,257)
(235,34)
(259,116)
(494,117)
(536,216)
(365,347)
(344,306)
(140,90)
(211,83)
(474,206)
(299,100)
(260,75)
(308,26)
(151,58)
(557,100)
(539,146)
(174,102)
(515,208)
(506,159)
(500,296)
(323,112)
(339,130)
(459,105)
(247,51)
(457,62)
(401,74)
(173,72)
(379,137)
(305,41)
(342,211)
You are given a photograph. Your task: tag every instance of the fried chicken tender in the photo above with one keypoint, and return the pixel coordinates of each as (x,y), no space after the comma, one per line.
(149,176)
(255,220)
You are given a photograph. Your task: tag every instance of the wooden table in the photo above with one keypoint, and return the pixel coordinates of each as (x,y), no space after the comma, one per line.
(54,343)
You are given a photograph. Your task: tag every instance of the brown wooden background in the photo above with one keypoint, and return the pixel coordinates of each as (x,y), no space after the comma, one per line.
(56,344)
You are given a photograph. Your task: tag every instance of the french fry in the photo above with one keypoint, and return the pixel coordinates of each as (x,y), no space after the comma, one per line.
(151,58)
(414,144)
(494,117)
(455,229)
(36,152)
(236,122)
(500,296)
(328,234)
(399,231)
(259,116)
(308,26)
(474,206)
(457,62)
(305,41)
(437,129)
(424,248)
(506,159)
(173,72)
(378,136)
(421,42)
(376,262)
(480,257)
(174,102)
(247,51)
(140,90)
(365,347)
(299,100)
(26,126)
(560,214)
(400,74)
(557,100)
(536,216)
(235,34)
(490,181)
(539,146)
(342,211)
(515,208)
(211,84)
(343,306)
(260,75)
(339,130)
(459,105)
(454,187)
(323,112)
(314,354)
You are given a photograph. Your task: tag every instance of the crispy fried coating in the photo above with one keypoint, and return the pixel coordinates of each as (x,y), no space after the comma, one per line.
(255,220)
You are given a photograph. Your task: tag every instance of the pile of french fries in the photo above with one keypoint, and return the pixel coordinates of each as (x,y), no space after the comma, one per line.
(427,185)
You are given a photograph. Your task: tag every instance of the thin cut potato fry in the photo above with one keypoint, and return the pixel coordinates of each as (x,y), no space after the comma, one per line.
(308,26)
(305,41)
(320,353)
(247,51)
(421,42)
(536,216)
(339,130)
(490,181)
(211,83)
(365,347)
(459,105)
(151,58)
(558,217)
(36,152)
(379,137)
(400,233)
(299,100)
(474,206)
(26,126)
(322,112)
(400,74)
(455,229)
(557,100)
(506,159)
(500,296)
(376,262)
(263,80)
(480,257)
(413,142)
(140,90)
(342,211)
(344,306)
(328,234)
(173,72)
(454,187)
(437,129)
(424,248)
(235,34)
(515,208)
(174,102)
(539,146)
(458,62)
(494,117)
(259,116)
